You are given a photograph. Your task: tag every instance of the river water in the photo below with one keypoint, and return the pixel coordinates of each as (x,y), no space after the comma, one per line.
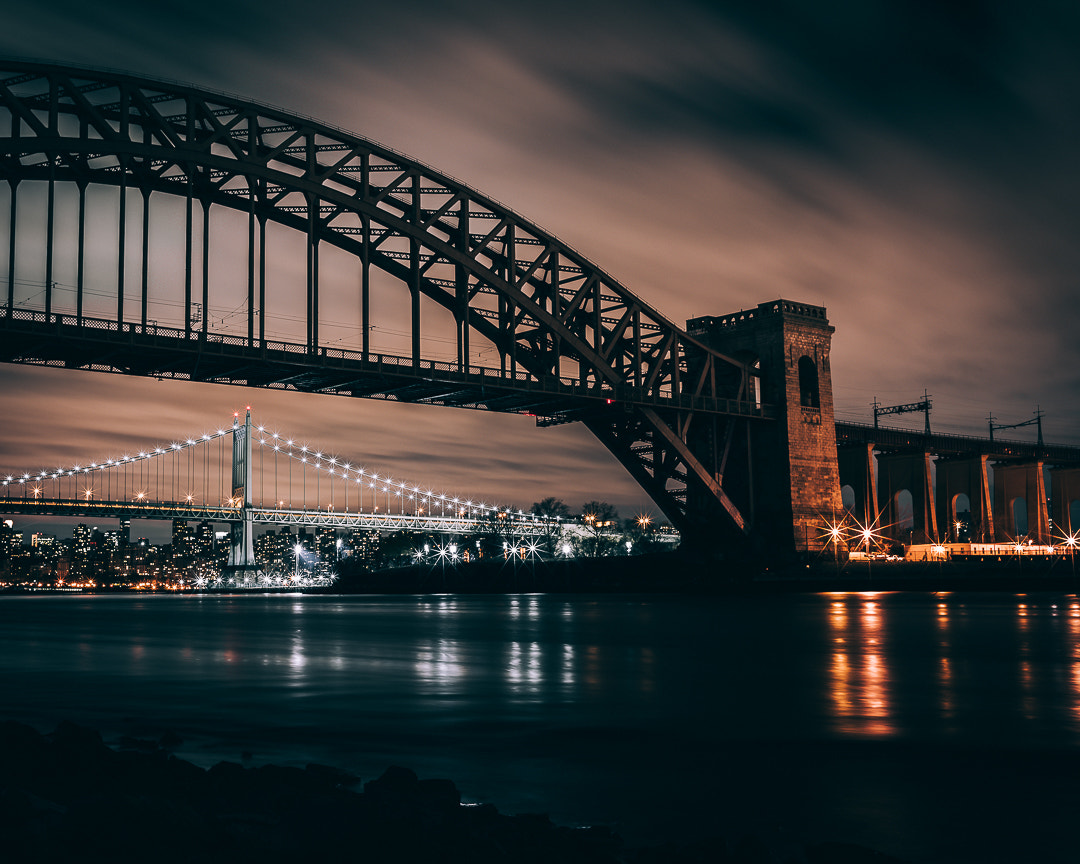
(932,727)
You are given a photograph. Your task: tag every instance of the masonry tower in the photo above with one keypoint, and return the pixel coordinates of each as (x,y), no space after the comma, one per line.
(793,482)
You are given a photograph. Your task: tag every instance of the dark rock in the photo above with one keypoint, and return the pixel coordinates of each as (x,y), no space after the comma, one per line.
(711,851)
(395,780)
(751,850)
(79,743)
(67,797)
(169,740)
(441,795)
(831,852)
(480,814)
(142,745)
(331,775)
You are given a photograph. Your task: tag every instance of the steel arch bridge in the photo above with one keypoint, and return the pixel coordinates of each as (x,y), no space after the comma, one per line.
(572,343)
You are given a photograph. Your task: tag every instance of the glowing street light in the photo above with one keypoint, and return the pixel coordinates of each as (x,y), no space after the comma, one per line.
(867,534)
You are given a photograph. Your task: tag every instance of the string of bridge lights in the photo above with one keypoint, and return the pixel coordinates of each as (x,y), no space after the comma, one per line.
(307,456)
(92,467)
(313,458)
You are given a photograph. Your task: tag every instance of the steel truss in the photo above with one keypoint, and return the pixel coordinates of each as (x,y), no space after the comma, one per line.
(550,313)
(515,526)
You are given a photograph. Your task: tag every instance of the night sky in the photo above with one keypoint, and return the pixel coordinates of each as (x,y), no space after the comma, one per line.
(911,166)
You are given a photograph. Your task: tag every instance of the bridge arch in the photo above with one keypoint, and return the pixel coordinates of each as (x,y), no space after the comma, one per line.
(848,497)
(572,343)
(903,508)
(958,503)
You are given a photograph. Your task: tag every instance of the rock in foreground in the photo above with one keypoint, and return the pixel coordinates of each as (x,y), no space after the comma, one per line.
(68,797)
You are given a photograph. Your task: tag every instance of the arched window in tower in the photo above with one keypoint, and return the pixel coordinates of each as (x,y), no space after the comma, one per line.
(809,396)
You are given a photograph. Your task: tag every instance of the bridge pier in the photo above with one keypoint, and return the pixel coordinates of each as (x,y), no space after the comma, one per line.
(1012,482)
(969,477)
(914,472)
(857,470)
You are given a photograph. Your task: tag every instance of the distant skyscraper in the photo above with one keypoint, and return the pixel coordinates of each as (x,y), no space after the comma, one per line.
(182,539)
(81,539)
(204,540)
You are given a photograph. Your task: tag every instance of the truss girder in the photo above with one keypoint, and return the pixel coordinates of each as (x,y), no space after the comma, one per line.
(547,310)
(657,454)
(357,521)
(86,126)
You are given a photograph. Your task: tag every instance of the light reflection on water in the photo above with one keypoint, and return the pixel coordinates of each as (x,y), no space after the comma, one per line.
(1000,663)
(1017,659)
(583,707)
(859,673)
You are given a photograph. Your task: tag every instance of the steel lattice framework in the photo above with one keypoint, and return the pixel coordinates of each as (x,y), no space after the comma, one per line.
(573,343)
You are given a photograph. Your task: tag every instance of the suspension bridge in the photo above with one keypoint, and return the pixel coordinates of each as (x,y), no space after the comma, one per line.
(247,475)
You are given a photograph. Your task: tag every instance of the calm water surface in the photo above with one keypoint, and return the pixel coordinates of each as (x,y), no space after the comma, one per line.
(934,727)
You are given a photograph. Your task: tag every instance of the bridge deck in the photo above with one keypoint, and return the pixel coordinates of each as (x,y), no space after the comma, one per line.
(100,344)
(526,526)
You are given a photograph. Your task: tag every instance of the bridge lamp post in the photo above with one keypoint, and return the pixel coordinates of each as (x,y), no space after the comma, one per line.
(834,533)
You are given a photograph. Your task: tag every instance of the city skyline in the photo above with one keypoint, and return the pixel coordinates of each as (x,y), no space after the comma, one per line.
(908,169)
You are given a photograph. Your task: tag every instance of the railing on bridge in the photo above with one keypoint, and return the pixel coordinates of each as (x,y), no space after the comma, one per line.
(947,444)
(219,353)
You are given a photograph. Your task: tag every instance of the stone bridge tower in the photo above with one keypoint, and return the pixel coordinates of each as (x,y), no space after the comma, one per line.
(793,483)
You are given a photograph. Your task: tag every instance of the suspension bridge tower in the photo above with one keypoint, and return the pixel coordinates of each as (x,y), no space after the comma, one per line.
(242,549)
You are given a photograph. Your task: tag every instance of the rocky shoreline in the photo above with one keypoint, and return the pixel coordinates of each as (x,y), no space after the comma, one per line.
(67,796)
